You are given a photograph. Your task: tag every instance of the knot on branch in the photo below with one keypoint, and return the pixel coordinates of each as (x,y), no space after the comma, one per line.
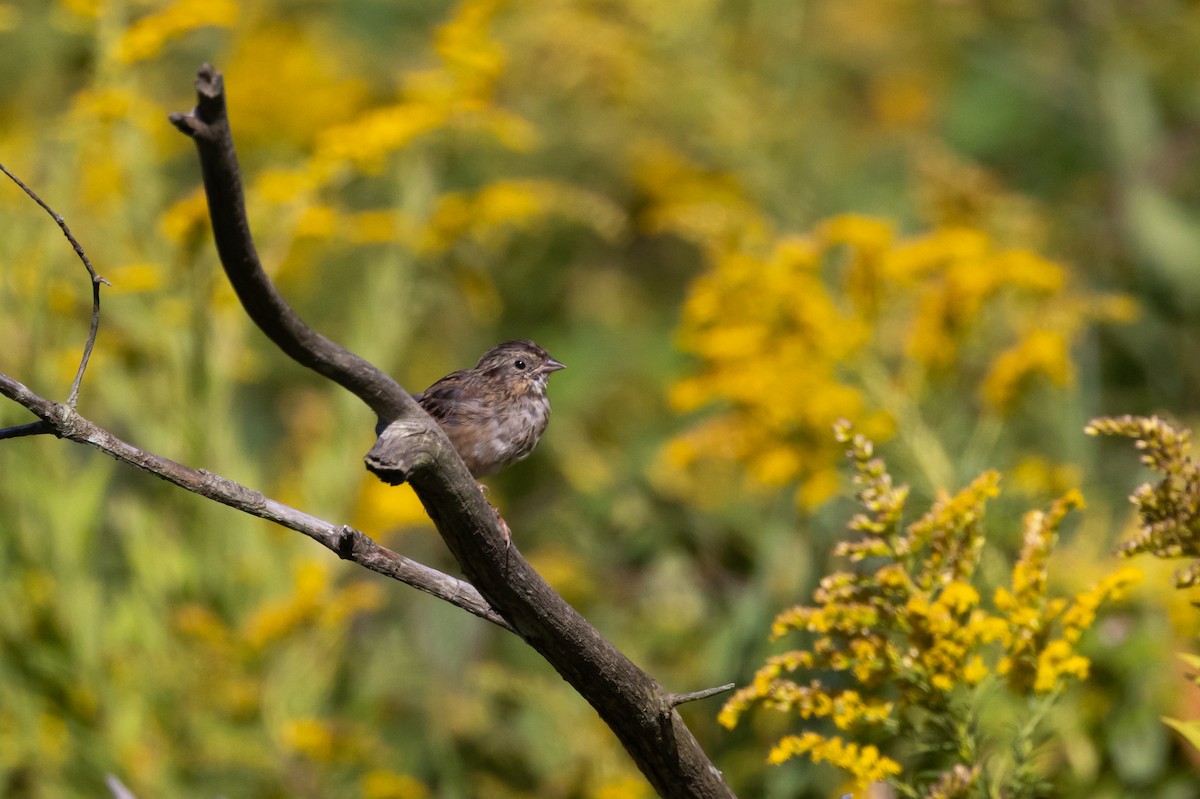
(210,104)
(346,540)
(65,419)
(404,446)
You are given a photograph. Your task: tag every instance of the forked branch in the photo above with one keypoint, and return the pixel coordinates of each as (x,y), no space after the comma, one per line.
(72,398)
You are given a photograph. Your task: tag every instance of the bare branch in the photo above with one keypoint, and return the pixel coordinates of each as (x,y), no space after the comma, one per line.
(348,543)
(73,397)
(676,700)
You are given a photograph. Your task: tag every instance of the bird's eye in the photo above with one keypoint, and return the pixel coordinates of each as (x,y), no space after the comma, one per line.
(519,363)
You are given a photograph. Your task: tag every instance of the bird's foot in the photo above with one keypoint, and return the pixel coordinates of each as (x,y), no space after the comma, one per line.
(504,529)
(503,524)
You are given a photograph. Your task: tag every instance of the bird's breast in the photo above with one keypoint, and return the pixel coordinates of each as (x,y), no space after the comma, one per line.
(489,442)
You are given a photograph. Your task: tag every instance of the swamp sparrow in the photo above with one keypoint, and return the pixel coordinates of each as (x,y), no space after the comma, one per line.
(493,414)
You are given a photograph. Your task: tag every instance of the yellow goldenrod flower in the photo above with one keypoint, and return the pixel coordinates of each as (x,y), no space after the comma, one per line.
(911,633)
(1170,514)
(146,37)
(792,332)
(312,738)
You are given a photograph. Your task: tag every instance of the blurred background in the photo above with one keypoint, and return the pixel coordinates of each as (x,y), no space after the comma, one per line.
(967,226)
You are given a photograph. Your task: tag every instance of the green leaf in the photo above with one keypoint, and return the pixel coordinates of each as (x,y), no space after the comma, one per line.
(1190,730)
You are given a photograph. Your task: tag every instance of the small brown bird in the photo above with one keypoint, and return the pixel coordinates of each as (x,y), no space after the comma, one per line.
(495,413)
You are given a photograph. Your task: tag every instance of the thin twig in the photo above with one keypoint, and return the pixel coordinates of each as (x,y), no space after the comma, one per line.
(676,700)
(73,397)
(31,429)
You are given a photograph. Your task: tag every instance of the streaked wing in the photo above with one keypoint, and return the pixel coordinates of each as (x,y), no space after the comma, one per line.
(444,399)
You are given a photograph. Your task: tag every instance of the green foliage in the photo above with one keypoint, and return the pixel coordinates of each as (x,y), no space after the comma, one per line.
(426,179)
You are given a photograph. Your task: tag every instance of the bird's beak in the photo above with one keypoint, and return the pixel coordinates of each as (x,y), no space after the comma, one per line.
(552,366)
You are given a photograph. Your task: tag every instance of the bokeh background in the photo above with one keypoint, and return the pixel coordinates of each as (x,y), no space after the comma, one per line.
(967,225)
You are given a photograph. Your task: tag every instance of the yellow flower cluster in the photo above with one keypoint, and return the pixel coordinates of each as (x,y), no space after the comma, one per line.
(865,763)
(459,93)
(1033,660)
(1170,509)
(146,37)
(483,216)
(911,629)
(347,140)
(851,320)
